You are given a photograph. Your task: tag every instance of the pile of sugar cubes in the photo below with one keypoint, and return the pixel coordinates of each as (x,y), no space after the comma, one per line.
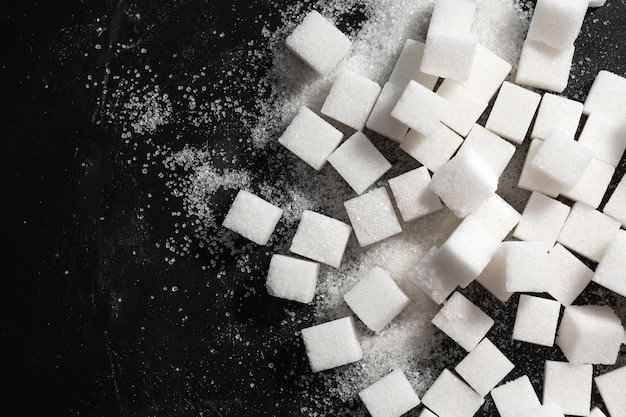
(536,252)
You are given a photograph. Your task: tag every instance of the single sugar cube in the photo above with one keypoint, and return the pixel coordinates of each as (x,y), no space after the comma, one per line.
(449,53)
(587,231)
(557,22)
(607,96)
(568,386)
(449,396)
(318,43)
(611,387)
(494,150)
(380,120)
(454,14)
(430,279)
(373,217)
(592,184)
(590,334)
(605,138)
(497,216)
(351,99)
(542,219)
(562,159)
(407,67)
(488,73)
(321,238)
(611,271)
(569,276)
(492,277)
(252,217)
(420,108)
(311,138)
(514,396)
(526,266)
(390,396)
(376,299)
(512,112)
(332,344)
(484,367)
(292,279)
(359,162)
(413,194)
(616,206)
(464,107)
(462,321)
(432,150)
(536,320)
(543,66)
(532,179)
(559,114)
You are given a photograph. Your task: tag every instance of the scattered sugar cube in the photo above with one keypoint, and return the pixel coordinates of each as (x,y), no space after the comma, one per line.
(605,138)
(420,108)
(559,114)
(449,53)
(587,231)
(311,138)
(376,299)
(536,320)
(546,410)
(430,279)
(390,396)
(497,216)
(380,120)
(592,184)
(532,179)
(494,150)
(616,206)
(596,412)
(454,14)
(568,386)
(512,112)
(464,107)
(611,271)
(359,162)
(526,266)
(318,43)
(568,275)
(373,217)
(487,75)
(514,396)
(562,159)
(332,344)
(351,99)
(611,387)
(543,66)
(542,219)
(321,238)
(484,367)
(492,277)
(557,22)
(413,194)
(407,67)
(432,150)
(449,396)
(463,322)
(292,279)
(590,334)
(607,96)
(464,183)
(252,217)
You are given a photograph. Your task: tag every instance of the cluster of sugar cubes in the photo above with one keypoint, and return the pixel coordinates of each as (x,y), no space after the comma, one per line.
(439,129)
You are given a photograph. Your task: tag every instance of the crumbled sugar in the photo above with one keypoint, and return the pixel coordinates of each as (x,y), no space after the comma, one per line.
(359,162)
(413,194)
(532,179)
(616,206)
(557,22)
(464,107)
(373,217)
(568,275)
(488,73)
(454,14)
(292,278)
(568,386)
(420,108)
(514,396)
(332,344)
(605,138)
(526,266)
(252,217)
(492,277)
(542,219)
(536,320)
(484,367)
(562,159)
(380,120)
(557,113)
(494,150)
(430,279)
(512,112)
(432,150)
(595,411)
(607,96)
(449,396)
(321,238)
(611,271)
(543,66)
(449,53)
(592,184)
(546,410)
(390,396)
(407,67)
(611,387)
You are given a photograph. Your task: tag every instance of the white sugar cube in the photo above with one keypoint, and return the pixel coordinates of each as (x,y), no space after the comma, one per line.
(542,219)
(487,75)
(464,183)
(407,67)
(430,279)
(454,14)
(592,184)
(568,386)
(332,344)
(611,387)
(543,66)
(587,231)
(590,334)
(546,410)
(607,96)
(380,120)
(318,43)
(616,206)
(321,238)
(568,275)
(449,53)
(449,396)
(526,266)
(432,150)
(390,396)
(310,138)
(292,278)
(557,22)
(532,179)
(373,217)
(492,277)
(420,108)
(497,216)
(413,194)
(512,112)
(514,396)
(359,162)
(536,320)
(562,159)
(611,271)
(462,321)
(494,150)
(376,299)
(351,99)
(596,412)
(605,138)
(484,367)
(559,114)
(252,217)
(464,107)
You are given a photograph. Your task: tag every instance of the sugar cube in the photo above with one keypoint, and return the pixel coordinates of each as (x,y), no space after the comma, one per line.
(559,114)
(380,120)
(568,386)
(543,66)
(605,138)
(484,367)
(454,14)
(430,279)
(332,344)
(611,271)
(557,22)
(449,396)
(449,53)
(526,266)
(492,277)
(514,396)
(607,96)
(542,219)
(568,275)
(497,216)
(359,162)
(311,138)
(512,112)
(562,159)
(596,412)
(373,217)
(292,279)
(464,107)
(616,206)
(420,108)
(494,150)
(351,99)
(488,73)
(592,184)
(611,387)
(536,320)
(413,194)
(532,179)
(318,43)
(390,396)
(407,67)
(252,217)
(432,150)
(321,238)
